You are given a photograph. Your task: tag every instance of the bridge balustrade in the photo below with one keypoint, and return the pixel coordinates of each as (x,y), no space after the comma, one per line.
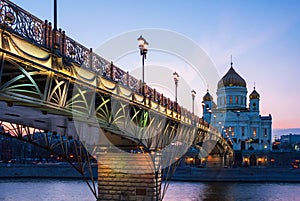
(34,30)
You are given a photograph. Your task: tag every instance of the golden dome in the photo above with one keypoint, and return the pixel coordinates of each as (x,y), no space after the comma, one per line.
(207,97)
(254,94)
(231,78)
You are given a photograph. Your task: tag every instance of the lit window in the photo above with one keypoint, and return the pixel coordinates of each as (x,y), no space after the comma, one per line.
(254,132)
(236,99)
(230,99)
(230,131)
(265,146)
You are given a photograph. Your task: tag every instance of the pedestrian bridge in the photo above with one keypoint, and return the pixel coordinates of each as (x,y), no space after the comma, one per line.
(52,84)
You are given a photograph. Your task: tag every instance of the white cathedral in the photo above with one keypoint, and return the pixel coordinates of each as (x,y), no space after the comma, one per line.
(242,125)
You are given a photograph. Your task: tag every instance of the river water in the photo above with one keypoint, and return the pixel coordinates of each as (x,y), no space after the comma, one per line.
(77,190)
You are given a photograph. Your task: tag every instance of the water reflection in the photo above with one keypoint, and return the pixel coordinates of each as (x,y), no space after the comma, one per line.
(229,191)
(76,190)
(44,190)
(217,191)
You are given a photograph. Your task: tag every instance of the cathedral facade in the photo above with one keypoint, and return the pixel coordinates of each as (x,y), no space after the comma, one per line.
(238,120)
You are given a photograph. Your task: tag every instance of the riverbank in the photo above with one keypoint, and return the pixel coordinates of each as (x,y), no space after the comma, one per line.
(252,174)
(49,170)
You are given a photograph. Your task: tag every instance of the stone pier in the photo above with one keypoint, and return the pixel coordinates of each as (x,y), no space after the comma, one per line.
(128,176)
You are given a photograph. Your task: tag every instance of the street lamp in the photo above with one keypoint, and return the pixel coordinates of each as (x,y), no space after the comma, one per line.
(238,124)
(220,123)
(176,79)
(143,45)
(193,98)
(55,15)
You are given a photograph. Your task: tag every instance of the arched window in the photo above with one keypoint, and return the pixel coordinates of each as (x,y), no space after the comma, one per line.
(243,145)
(252,159)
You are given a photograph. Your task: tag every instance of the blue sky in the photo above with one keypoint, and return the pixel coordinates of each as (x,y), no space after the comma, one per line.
(262,36)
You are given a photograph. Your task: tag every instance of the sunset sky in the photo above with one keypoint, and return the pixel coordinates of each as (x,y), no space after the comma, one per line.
(262,36)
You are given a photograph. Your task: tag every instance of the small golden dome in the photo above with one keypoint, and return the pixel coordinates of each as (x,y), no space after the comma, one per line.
(207,97)
(254,94)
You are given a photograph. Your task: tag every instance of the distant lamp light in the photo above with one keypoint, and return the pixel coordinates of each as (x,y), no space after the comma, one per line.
(143,46)
(146,45)
(193,93)
(175,76)
(176,79)
(193,100)
(141,40)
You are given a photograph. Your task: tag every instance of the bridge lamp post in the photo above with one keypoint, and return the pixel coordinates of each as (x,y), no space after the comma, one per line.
(193,99)
(238,122)
(220,123)
(143,45)
(176,79)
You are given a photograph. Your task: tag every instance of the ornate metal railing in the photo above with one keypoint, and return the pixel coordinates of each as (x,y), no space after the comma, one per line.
(77,52)
(22,22)
(26,25)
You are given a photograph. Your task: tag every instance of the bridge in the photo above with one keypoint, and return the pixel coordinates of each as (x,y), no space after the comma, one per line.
(57,94)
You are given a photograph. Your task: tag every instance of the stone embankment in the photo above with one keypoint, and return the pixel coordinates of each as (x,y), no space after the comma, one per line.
(257,174)
(41,171)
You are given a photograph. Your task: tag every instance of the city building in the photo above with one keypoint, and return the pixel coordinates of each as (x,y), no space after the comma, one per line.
(243,126)
(290,142)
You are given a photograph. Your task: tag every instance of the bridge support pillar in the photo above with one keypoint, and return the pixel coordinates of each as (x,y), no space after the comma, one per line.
(128,176)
